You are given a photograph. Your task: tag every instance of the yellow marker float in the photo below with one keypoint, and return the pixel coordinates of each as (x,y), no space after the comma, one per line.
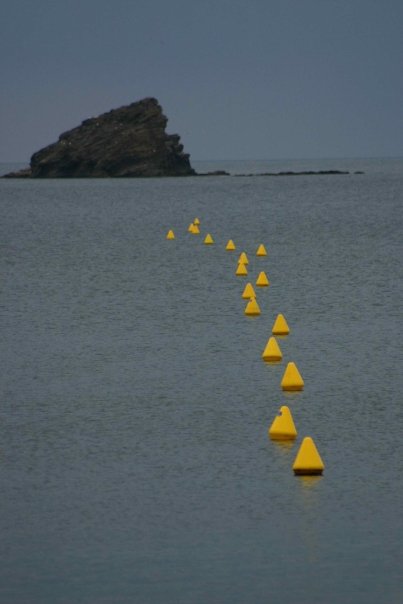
(196,221)
(208,240)
(292,380)
(241,270)
(248,292)
(280,327)
(190,227)
(170,234)
(230,246)
(243,259)
(262,280)
(283,427)
(308,460)
(261,250)
(252,308)
(272,351)
(195,230)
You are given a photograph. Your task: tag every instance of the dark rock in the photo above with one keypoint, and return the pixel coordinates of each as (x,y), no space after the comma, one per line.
(214,173)
(25,173)
(305,173)
(127,142)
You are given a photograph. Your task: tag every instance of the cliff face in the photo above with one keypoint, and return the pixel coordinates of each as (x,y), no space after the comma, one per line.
(127,142)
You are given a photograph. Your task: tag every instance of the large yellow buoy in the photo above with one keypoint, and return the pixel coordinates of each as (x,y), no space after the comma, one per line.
(230,246)
(272,351)
(262,280)
(280,327)
(292,379)
(241,270)
(261,250)
(196,221)
(195,230)
(243,259)
(252,308)
(308,460)
(170,234)
(208,240)
(283,427)
(248,292)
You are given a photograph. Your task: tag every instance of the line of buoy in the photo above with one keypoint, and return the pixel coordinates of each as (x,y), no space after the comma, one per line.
(308,460)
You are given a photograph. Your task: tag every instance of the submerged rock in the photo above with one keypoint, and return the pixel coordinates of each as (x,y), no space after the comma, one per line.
(126,142)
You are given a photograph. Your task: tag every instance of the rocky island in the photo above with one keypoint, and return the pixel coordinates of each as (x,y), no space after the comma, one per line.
(126,142)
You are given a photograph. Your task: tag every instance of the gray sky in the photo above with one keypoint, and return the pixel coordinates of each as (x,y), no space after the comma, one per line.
(237,79)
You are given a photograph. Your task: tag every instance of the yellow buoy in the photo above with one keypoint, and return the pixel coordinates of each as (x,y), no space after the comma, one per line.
(196,221)
(190,227)
(283,427)
(252,308)
(208,240)
(230,246)
(261,250)
(280,327)
(241,270)
(308,460)
(272,351)
(243,259)
(195,230)
(170,234)
(248,292)
(262,280)
(292,379)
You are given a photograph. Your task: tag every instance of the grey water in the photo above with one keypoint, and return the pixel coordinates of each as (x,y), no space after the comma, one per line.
(135,464)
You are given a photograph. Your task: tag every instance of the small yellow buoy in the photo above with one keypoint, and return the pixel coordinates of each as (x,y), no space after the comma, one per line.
(272,351)
(262,280)
(252,308)
(195,230)
(208,240)
(261,250)
(190,227)
(248,292)
(171,234)
(196,221)
(243,259)
(283,427)
(241,270)
(280,327)
(308,460)
(230,246)
(292,379)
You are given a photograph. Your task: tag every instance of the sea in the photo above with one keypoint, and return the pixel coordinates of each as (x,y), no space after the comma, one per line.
(135,462)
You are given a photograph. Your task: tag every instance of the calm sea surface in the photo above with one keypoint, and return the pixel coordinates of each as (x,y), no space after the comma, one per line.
(135,465)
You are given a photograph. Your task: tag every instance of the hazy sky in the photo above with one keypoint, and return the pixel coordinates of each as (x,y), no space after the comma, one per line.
(237,79)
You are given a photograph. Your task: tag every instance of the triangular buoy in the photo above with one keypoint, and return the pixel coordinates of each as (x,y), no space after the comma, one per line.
(230,246)
(308,460)
(243,259)
(252,308)
(190,227)
(280,327)
(195,230)
(292,379)
(208,240)
(272,351)
(170,234)
(261,250)
(241,270)
(248,292)
(262,280)
(196,221)
(283,427)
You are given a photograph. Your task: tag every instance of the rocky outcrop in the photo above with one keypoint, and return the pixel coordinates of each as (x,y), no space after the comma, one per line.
(127,142)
